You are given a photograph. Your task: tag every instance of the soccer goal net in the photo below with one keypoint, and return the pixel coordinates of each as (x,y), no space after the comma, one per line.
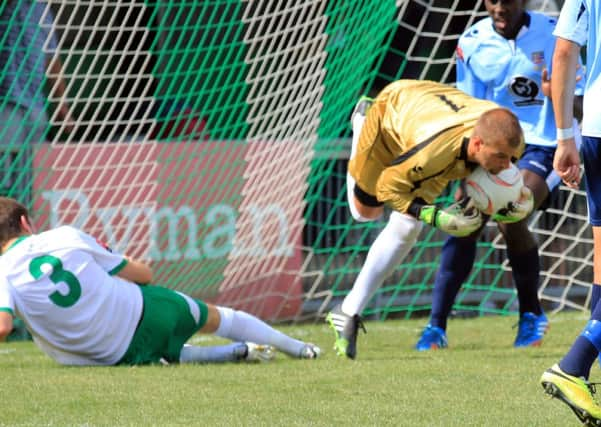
(210,139)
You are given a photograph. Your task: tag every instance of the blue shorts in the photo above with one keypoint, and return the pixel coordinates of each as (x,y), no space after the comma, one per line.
(538,159)
(591,157)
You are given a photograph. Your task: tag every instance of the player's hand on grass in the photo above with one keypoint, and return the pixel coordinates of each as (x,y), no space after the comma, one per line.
(459,219)
(518,210)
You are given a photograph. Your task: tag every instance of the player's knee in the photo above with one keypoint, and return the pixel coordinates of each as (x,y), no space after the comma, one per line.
(363,206)
(225,321)
(214,319)
(517,235)
(363,213)
(4,332)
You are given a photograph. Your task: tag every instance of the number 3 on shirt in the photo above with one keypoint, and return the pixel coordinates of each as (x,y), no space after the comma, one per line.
(58,275)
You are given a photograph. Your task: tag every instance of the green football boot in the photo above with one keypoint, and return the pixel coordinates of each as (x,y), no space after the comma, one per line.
(345,327)
(575,392)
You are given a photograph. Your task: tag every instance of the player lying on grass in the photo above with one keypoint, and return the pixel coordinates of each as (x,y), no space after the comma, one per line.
(506,58)
(86,305)
(408,144)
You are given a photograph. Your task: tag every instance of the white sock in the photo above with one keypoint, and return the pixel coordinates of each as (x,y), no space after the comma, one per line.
(388,250)
(241,326)
(212,354)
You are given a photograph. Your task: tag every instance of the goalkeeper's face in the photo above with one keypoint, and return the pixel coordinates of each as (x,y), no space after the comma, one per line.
(496,139)
(495,156)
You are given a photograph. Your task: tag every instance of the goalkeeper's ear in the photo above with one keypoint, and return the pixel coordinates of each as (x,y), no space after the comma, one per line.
(26,224)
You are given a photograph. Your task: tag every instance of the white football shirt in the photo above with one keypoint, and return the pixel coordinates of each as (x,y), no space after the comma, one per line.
(580,22)
(61,283)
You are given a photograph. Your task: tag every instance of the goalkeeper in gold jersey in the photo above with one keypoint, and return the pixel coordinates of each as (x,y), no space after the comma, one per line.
(408,144)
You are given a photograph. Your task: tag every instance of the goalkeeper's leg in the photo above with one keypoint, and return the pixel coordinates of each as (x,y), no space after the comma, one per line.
(387,252)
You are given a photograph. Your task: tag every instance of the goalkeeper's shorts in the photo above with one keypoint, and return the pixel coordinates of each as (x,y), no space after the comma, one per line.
(168,320)
(371,159)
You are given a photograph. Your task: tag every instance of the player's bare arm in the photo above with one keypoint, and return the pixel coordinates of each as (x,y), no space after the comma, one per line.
(136,271)
(6,325)
(546,88)
(567,159)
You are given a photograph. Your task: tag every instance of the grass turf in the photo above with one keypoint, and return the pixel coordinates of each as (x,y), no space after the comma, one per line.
(480,380)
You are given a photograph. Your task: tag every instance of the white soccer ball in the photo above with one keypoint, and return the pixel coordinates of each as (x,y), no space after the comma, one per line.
(491,192)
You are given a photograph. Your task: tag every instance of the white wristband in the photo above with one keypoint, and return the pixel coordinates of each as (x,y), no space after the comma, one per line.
(566,133)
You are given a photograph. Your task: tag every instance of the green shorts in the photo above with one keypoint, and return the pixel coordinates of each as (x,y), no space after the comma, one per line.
(168,321)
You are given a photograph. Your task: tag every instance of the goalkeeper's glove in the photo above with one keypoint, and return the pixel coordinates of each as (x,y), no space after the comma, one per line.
(459,219)
(518,210)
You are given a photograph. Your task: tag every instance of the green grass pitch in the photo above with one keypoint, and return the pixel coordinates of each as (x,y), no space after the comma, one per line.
(479,381)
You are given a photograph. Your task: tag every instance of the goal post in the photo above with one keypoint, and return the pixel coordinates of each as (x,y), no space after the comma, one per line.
(211,139)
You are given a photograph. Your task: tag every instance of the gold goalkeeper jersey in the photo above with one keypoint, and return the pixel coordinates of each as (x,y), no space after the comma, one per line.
(414,141)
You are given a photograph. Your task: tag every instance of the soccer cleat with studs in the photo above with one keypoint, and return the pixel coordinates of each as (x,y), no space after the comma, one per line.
(531,330)
(575,392)
(310,351)
(258,352)
(345,327)
(432,338)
